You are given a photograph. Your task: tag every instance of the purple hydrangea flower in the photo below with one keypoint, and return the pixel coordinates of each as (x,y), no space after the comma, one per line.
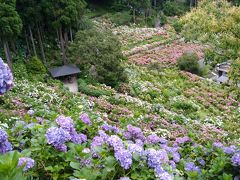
(5,146)
(27,162)
(182,140)
(57,137)
(165,176)
(135,148)
(230,149)
(96,142)
(3,136)
(202,162)
(109,128)
(176,157)
(218,145)
(103,135)
(115,142)
(236,159)
(85,119)
(156,157)
(65,122)
(190,166)
(152,139)
(134,133)
(6,78)
(172,164)
(124,157)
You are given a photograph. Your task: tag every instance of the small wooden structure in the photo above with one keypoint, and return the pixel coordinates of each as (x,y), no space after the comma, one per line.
(67,74)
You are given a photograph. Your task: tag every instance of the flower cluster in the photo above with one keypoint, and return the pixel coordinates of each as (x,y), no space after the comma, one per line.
(5,146)
(85,119)
(114,129)
(134,133)
(28,163)
(57,137)
(190,166)
(236,159)
(6,77)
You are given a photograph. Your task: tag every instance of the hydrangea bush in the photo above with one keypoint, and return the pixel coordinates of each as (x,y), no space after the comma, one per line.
(6,77)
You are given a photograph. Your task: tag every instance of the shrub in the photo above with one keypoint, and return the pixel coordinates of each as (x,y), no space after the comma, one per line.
(189,62)
(35,66)
(98,53)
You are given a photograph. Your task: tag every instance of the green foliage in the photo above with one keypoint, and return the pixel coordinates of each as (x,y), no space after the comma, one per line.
(8,167)
(177,26)
(98,54)
(35,66)
(220,27)
(234,73)
(121,18)
(172,8)
(189,62)
(84,88)
(10,22)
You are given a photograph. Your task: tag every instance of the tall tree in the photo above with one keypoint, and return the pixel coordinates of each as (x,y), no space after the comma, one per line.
(64,15)
(10,26)
(30,12)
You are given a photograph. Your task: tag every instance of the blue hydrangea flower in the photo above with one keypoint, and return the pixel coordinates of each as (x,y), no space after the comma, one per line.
(57,137)
(96,142)
(65,122)
(135,148)
(156,157)
(190,166)
(5,146)
(6,78)
(218,145)
(182,140)
(236,159)
(103,135)
(152,139)
(115,142)
(85,119)
(124,157)
(202,162)
(26,162)
(230,149)
(134,133)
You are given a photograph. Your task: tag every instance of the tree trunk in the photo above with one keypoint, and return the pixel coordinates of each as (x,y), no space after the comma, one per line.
(71,34)
(134,16)
(33,44)
(28,48)
(41,45)
(13,47)
(62,44)
(7,54)
(65,37)
(155,3)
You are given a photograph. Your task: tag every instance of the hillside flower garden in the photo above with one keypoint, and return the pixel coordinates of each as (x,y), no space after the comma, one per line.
(85,143)
(137,115)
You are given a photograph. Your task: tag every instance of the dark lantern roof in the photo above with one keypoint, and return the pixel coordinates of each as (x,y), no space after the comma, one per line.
(64,70)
